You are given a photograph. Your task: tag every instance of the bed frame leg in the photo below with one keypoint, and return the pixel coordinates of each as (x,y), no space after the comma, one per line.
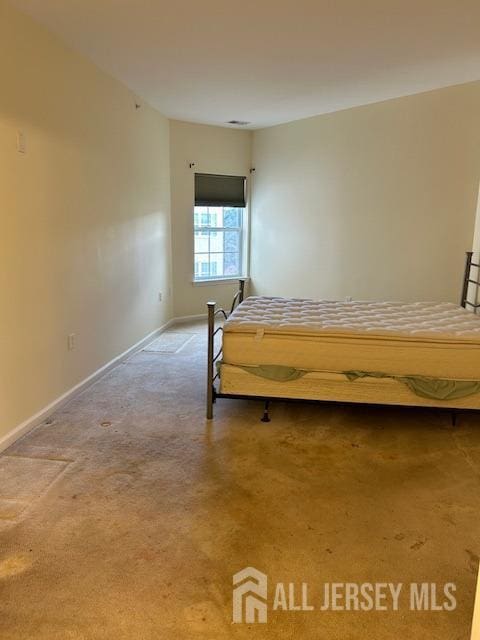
(266,417)
(210,402)
(454,418)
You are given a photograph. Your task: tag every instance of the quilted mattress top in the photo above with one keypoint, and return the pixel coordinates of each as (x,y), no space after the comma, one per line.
(414,320)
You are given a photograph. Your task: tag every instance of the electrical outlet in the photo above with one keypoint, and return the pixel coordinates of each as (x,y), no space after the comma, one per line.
(160,296)
(71,341)
(348,298)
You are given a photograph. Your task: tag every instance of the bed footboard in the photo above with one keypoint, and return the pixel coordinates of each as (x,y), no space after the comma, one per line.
(212,357)
(471,283)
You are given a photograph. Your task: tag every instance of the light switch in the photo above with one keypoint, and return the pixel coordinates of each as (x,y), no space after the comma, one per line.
(71,341)
(21,142)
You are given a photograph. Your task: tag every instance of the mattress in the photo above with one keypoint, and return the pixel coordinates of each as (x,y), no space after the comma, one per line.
(438,340)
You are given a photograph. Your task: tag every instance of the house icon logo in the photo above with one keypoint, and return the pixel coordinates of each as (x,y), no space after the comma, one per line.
(249,596)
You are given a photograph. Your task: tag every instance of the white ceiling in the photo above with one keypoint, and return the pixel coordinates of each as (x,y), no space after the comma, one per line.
(270,61)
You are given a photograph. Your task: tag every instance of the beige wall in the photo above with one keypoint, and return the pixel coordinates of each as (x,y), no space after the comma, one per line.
(476,236)
(85,237)
(214,150)
(373,202)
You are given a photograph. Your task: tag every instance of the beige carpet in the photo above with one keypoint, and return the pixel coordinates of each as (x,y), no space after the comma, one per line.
(169,342)
(133,530)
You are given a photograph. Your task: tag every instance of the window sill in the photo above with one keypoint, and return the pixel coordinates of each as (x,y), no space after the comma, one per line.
(203,283)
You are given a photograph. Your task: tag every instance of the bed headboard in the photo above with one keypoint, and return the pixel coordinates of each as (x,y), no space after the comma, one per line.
(471,282)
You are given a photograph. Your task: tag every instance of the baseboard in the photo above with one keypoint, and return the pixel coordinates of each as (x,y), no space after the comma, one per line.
(32,422)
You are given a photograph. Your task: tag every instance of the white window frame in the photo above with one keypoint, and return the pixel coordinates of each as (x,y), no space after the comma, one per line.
(243,249)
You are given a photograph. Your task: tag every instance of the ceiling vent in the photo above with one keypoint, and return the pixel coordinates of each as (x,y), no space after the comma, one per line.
(240,123)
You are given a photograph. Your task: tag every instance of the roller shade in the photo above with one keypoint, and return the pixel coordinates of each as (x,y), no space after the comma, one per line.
(219,191)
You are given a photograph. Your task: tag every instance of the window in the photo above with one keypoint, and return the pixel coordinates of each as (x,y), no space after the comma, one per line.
(218,220)
(218,242)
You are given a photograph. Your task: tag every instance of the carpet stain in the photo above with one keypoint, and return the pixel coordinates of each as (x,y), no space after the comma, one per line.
(418,545)
(473,561)
(14,565)
(203,616)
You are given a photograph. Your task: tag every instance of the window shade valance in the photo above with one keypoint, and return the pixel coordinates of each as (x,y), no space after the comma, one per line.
(219,191)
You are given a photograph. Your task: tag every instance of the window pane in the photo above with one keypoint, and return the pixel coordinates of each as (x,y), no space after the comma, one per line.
(201,241)
(214,268)
(201,259)
(216,241)
(216,216)
(198,214)
(232,241)
(232,217)
(231,263)
(216,264)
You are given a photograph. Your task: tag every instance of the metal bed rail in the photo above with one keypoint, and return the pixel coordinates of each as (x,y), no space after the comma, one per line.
(471,281)
(212,357)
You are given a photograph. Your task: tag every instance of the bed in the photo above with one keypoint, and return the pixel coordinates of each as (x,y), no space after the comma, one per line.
(414,354)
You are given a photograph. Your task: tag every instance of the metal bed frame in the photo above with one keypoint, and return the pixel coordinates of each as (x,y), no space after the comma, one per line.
(470,279)
(471,285)
(212,375)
